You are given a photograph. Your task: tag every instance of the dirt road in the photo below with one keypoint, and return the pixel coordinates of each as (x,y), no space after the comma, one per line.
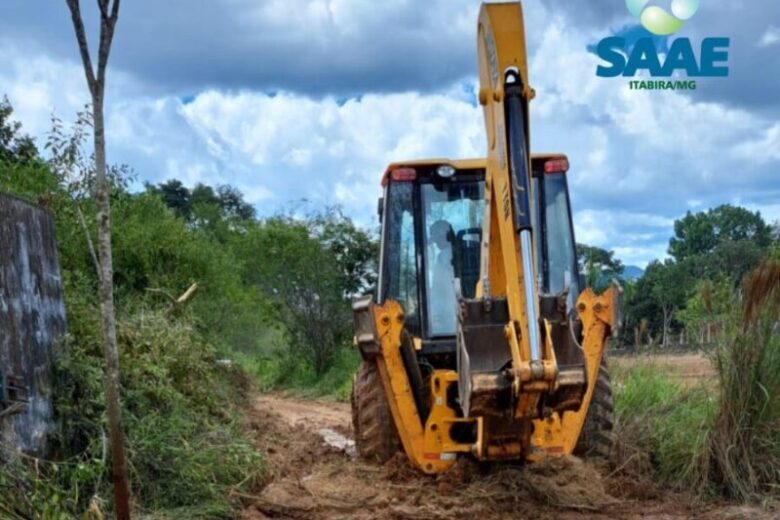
(313,474)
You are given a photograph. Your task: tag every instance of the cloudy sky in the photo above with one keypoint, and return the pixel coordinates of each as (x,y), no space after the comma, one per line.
(310,99)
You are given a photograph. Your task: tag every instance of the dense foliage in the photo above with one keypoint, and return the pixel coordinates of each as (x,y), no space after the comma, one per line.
(270,293)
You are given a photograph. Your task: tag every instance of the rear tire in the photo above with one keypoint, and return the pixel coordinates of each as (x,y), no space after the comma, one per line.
(597,437)
(375,435)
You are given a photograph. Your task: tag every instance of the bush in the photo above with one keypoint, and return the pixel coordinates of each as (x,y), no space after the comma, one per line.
(723,438)
(182,420)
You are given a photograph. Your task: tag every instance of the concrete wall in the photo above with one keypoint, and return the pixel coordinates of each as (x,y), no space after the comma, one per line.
(32,321)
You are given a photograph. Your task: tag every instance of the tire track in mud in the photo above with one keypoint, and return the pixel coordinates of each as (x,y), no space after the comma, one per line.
(312,474)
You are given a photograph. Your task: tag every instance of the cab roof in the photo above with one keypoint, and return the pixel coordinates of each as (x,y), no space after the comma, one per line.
(458,164)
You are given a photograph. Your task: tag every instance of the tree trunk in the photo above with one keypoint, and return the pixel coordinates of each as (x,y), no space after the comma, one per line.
(109,13)
(110,348)
(665,337)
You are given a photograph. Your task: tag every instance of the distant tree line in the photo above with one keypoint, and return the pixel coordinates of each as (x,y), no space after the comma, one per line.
(684,298)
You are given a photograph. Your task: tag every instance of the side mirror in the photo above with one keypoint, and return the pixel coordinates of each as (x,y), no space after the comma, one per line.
(380,208)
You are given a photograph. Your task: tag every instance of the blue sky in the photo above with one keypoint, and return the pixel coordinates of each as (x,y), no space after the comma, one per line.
(310,99)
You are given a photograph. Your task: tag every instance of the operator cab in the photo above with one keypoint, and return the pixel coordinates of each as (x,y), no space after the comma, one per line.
(432,213)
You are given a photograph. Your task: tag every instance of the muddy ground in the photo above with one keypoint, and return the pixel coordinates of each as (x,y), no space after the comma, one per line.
(313,474)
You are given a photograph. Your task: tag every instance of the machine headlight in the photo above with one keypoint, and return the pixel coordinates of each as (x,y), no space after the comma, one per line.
(445,171)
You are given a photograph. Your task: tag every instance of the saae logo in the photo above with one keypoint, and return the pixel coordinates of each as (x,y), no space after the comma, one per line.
(656,20)
(643,55)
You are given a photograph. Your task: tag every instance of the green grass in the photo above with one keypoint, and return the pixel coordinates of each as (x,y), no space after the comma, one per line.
(743,458)
(279,372)
(662,421)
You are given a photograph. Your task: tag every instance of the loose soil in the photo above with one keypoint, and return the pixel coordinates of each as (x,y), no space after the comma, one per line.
(312,474)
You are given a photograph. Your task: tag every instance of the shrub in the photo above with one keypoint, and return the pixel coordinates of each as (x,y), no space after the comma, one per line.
(281,371)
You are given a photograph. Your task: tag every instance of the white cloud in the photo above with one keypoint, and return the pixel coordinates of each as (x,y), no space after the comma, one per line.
(636,238)
(38,86)
(764,149)
(770,37)
(639,159)
(332,152)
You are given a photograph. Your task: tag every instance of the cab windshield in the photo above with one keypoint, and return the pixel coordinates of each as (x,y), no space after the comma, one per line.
(443,245)
(452,230)
(432,236)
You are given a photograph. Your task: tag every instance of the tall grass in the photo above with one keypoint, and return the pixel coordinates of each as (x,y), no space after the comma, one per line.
(721,438)
(743,459)
(661,425)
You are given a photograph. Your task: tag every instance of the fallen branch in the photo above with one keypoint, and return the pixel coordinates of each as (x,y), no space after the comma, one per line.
(179,302)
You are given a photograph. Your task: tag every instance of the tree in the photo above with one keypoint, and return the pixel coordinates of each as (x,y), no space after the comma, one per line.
(707,309)
(731,260)
(701,233)
(599,265)
(96,82)
(233,205)
(219,211)
(308,269)
(300,275)
(667,285)
(175,195)
(355,250)
(14,147)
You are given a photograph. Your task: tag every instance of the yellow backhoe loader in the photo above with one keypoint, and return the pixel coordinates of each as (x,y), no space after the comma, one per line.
(480,339)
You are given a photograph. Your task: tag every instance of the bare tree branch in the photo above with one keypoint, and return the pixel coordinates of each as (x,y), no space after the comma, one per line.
(107,25)
(90,245)
(81,38)
(103,5)
(165,293)
(176,303)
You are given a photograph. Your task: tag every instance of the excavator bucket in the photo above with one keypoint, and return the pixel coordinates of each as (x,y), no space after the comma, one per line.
(483,356)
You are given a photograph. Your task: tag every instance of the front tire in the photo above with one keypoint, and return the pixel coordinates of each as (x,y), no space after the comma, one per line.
(375,436)
(597,438)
